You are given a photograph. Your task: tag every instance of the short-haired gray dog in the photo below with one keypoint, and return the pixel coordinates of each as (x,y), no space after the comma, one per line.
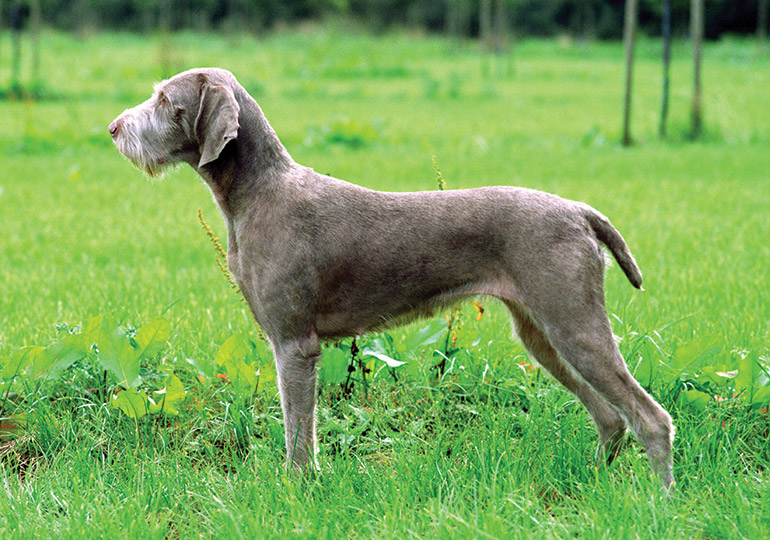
(319,258)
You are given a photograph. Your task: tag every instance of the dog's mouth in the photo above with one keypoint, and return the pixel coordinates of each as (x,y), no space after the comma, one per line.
(130,147)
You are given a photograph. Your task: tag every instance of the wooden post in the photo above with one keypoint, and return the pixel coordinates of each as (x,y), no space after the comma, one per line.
(629,35)
(696,34)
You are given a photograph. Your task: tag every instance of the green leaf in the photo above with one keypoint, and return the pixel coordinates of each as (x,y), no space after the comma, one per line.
(93,328)
(376,348)
(760,396)
(116,354)
(696,398)
(709,375)
(267,377)
(748,373)
(750,380)
(61,355)
(169,398)
(243,375)
(433,333)
(235,347)
(41,361)
(132,402)
(17,364)
(151,337)
(206,369)
(689,357)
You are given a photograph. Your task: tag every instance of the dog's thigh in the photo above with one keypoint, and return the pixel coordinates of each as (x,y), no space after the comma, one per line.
(609,423)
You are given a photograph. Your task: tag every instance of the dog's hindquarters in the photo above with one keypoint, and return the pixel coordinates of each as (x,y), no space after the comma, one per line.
(561,318)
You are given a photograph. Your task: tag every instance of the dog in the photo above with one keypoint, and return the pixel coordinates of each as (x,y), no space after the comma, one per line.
(318,258)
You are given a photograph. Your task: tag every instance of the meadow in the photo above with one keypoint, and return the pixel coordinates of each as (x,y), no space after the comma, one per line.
(443,429)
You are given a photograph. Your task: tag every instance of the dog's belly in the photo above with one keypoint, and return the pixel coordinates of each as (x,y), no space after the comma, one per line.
(378,311)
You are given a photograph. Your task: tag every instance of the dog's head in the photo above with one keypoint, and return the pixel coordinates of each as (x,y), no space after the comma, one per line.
(190,117)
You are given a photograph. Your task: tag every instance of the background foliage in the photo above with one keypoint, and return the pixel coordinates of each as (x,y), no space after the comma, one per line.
(587,18)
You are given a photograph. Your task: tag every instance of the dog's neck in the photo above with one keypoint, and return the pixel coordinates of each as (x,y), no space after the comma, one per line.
(256,153)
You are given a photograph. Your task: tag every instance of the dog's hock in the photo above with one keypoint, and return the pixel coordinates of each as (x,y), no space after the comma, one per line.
(217,121)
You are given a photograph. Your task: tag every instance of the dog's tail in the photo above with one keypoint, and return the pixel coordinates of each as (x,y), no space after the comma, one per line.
(610,237)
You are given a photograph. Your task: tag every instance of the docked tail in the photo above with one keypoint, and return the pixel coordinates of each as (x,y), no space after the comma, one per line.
(610,237)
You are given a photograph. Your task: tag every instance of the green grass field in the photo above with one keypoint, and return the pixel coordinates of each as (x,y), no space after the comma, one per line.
(491,447)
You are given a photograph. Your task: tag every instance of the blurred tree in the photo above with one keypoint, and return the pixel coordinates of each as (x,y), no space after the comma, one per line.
(19,13)
(485,23)
(666,31)
(458,19)
(35,24)
(493,25)
(500,27)
(164,43)
(1,28)
(696,34)
(764,7)
(145,15)
(583,19)
(629,38)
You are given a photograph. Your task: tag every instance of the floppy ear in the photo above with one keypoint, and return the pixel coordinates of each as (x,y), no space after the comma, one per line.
(217,121)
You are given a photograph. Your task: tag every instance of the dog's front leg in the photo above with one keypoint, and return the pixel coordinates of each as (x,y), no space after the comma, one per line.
(296,368)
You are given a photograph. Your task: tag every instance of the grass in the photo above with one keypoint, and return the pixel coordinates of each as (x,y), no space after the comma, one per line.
(490,449)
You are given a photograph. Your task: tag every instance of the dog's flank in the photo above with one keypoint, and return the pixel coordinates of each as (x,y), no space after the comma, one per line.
(316,257)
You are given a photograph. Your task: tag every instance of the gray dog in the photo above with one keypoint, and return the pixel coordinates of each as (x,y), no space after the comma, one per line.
(319,258)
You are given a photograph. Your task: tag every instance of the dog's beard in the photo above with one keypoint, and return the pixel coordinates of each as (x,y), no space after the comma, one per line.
(139,154)
(142,139)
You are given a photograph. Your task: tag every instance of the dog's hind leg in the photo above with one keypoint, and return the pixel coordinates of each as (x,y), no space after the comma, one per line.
(579,331)
(609,423)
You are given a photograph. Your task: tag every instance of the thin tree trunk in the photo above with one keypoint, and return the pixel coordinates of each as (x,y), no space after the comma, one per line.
(164,43)
(500,26)
(764,7)
(629,35)
(666,67)
(1,27)
(16,25)
(35,24)
(450,21)
(457,20)
(589,21)
(485,23)
(696,34)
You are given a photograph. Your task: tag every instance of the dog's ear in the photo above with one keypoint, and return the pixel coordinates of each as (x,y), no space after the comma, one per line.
(217,121)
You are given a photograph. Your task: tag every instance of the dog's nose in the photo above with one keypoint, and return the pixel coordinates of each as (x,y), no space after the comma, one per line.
(114,127)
